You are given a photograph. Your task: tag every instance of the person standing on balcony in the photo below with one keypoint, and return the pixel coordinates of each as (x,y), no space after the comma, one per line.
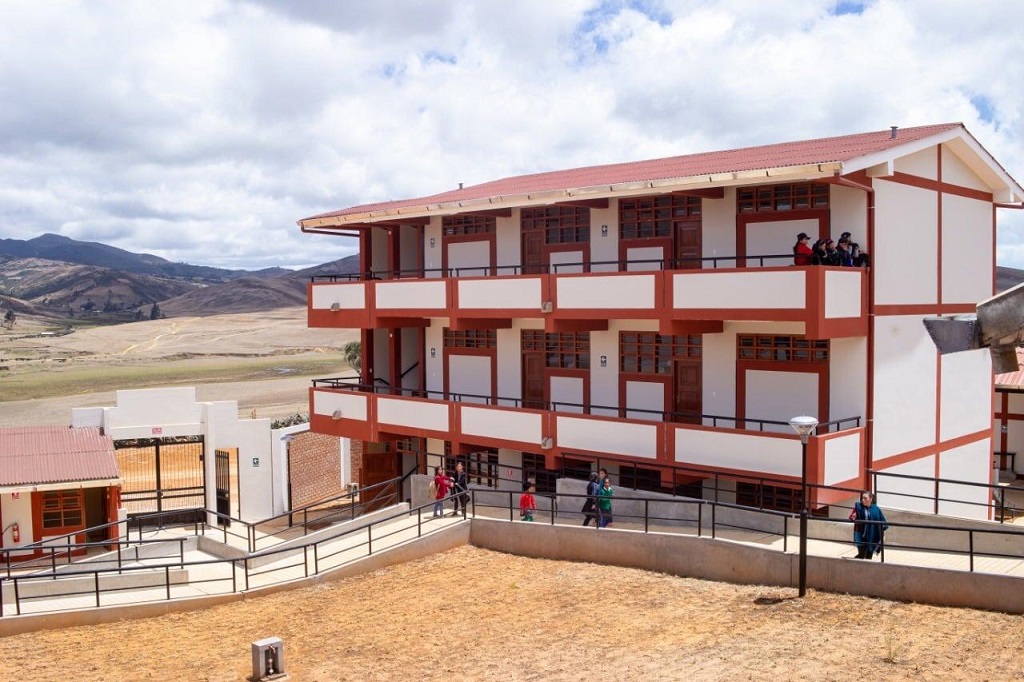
(604,504)
(590,504)
(801,250)
(527,502)
(442,483)
(461,485)
(868,526)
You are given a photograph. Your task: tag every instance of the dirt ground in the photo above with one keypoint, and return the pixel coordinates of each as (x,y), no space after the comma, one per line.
(472,614)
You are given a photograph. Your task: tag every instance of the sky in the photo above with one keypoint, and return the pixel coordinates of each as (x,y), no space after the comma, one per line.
(200,131)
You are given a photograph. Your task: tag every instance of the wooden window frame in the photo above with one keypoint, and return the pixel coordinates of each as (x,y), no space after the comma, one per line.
(560,224)
(543,477)
(562,350)
(650,353)
(783,197)
(654,217)
(781,348)
(62,506)
(468,224)
(470,339)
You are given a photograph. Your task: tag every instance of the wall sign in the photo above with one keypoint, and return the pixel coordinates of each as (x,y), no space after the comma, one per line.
(256,462)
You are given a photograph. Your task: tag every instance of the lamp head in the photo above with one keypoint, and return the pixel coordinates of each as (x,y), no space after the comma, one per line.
(804,426)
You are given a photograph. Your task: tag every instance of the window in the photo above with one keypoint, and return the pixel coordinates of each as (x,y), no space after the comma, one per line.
(770,198)
(640,479)
(651,353)
(471,338)
(458,225)
(780,348)
(482,467)
(533,470)
(560,224)
(561,351)
(768,497)
(653,216)
(62,509)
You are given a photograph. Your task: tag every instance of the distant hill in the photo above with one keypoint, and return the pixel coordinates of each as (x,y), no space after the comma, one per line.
(1007,278)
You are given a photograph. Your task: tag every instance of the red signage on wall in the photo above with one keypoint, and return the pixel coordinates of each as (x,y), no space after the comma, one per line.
(157,430)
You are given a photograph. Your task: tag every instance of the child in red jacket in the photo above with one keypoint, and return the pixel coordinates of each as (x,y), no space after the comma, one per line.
(527,502)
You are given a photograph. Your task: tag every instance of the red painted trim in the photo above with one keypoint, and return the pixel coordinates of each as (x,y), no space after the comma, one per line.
(937,186)
(929,450)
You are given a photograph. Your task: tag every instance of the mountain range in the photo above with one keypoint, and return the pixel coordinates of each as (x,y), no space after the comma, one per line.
(53,276)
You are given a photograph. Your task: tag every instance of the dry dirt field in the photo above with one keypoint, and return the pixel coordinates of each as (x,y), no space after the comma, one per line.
(265,361)
(472,614)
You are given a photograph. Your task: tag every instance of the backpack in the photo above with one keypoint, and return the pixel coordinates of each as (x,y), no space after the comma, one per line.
(432,490)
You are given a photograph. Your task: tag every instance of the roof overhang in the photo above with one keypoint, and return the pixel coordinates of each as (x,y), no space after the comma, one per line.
(415,213)
(61,485)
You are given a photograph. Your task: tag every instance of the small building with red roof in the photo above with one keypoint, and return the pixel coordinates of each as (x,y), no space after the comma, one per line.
(55,481)
(1009,419)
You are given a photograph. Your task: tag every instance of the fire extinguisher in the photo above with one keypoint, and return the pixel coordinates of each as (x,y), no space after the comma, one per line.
(15,533)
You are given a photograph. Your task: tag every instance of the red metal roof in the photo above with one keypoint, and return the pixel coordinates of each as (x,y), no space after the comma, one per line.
(1013,379)
(54,454)
(823,150)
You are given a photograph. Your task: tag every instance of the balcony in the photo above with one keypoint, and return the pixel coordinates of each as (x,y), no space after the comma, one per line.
(712,443)
(830,301)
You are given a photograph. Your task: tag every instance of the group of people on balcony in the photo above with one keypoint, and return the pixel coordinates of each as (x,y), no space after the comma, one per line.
(845,252)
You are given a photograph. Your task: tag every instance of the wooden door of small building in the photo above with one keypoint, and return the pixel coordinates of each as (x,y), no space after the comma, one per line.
(222,462)
(688,391)
(377,468)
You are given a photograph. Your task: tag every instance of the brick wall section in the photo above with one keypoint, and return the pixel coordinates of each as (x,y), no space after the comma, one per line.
(357,447)
(315,468)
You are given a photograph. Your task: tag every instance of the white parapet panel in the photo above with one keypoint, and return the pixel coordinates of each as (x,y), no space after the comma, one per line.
(411,294)
(350,296)
(413,413)
(351,405)
(525,427)
(742,451)
(739,290)
(596,292)
(970,463)
(500,293)
(613,437)
(842,293)
(842,458)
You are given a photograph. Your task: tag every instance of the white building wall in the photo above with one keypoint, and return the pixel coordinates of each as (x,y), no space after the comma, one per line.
(965,406)
(17,510)
(409,248)
(905,386)
(433,342)
(905,255)
(956,172)
(718,372)
(566,262)
(780,396)
(718,228)
(508,243)
(470,375)
(923,164)
(849,214)
(412,368)
(776,238)
(432,251)
(970,463)
(470,259)
(918,494)
(645,395)
(510,364)
(381,353)
(567,390)
(379,249)
(848,378)
(604,247)
(174,411)
(255,464)
(966,249)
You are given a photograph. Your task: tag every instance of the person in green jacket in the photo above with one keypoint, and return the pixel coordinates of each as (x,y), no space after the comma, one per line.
(604,504)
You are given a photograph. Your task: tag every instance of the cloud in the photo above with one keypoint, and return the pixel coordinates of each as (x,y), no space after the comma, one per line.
(202,131)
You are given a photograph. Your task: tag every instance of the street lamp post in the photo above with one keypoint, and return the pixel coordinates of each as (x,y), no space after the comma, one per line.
(804,426)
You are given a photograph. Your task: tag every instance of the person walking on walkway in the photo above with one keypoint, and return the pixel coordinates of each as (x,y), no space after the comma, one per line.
(868,526)
(527,502)
(604,504)
(460,483)
(590,504)
(442,484)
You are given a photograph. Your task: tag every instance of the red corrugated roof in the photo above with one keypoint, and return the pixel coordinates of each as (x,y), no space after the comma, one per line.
(824,150)
(54,454)
(1013,379)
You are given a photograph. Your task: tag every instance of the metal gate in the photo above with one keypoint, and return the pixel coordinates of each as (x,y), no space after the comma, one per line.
(163,475)
(222,459)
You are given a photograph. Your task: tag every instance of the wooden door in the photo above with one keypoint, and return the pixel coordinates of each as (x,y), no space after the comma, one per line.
(533,381)
(688,244)
(377,468)
(533,252)
(688,391)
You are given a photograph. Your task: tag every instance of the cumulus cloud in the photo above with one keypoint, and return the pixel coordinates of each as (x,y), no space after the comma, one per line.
(202,131)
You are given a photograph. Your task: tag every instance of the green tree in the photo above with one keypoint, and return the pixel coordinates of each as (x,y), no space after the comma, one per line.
(353,354)
(154,313)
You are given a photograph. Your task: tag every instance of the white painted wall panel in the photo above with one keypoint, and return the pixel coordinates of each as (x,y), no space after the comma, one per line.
(905,255)
(738,451)
(619,292)
(425,294)
(842,293)
(604,248)
(619,438)
(849,213)
(956,172)
(718,228)
(718,367)
(471,259)
(508,243)
(708,290)
(504,424)
(413,413)
(567,390)
(781,396)
(510,364)
(170,406)
(434,341)
(432,254)
(905,385)
(842,458)
(381,352)
(500,293)
(348,296)
(970,463)
(645,395)
(604,381)
(470,375)
(410,247)
(966,393)
(565,262)
(923,164)
(650,253)
(917,494)
(848,378)
(17,511)
(776,238)
(966,249)
(352,405)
